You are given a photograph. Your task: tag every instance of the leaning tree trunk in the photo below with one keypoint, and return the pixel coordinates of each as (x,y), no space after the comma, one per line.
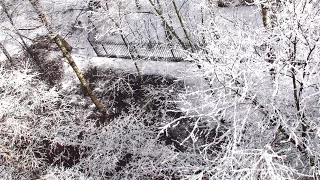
(266,19)
(183,26)
(59,41)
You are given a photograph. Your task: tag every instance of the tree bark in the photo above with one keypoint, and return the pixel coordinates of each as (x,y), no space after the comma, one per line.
(182,25)
(59,41)
(266,19)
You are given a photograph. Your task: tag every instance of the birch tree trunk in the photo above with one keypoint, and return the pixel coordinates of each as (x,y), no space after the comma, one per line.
(266,19)
(59,41)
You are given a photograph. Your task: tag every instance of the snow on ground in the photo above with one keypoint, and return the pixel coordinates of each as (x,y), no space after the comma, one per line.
(247,16)
(183,71)
(186,71)
(243,17)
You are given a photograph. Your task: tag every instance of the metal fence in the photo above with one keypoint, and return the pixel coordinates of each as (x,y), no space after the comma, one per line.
(152,51)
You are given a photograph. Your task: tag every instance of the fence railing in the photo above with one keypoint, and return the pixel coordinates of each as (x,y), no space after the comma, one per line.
(152,51)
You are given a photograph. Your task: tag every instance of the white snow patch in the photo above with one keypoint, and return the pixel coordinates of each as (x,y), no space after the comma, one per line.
(186,71)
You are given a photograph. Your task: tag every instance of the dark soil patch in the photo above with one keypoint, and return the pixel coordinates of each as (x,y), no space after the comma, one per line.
(155,95)
(60,155)
(52,153)
(122,92)
(50,69)
(123,162)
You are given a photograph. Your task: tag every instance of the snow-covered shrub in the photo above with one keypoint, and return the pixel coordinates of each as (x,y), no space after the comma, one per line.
(58,173)
(36,125)
(43,128)
(23,98)
(132,146)
(46,59)
(125,148)
(120,92)
(269,107)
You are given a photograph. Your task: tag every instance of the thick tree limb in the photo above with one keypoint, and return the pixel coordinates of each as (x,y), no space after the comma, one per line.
(59,41)
(182,25)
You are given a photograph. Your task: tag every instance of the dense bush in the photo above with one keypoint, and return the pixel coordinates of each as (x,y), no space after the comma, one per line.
(254,115)
(44,128)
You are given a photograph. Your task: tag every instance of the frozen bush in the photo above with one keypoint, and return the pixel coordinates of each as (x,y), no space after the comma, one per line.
(33,118)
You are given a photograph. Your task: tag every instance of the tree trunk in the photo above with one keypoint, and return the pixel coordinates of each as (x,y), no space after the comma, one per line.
(266,19)
(59,41)
(182,25)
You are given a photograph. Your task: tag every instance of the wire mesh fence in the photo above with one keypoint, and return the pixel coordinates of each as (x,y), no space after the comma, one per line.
(147,51)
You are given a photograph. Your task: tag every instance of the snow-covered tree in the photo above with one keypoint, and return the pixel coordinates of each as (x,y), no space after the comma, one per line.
(244,104)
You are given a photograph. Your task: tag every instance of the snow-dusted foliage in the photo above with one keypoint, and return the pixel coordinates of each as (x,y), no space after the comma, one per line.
(28,110)
(266,91)
(249,109)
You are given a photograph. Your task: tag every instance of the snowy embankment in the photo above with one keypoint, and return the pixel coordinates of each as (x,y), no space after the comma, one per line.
(227,19)
(186,72)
